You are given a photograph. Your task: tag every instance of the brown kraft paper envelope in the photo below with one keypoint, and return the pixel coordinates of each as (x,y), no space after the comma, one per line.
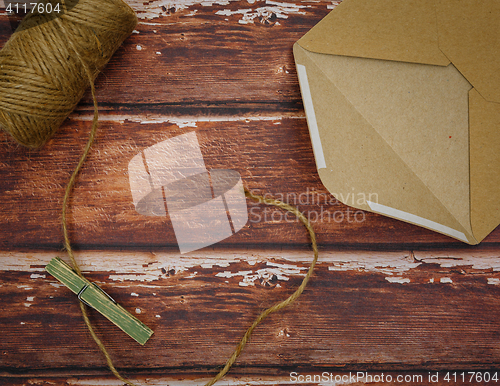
(402,100)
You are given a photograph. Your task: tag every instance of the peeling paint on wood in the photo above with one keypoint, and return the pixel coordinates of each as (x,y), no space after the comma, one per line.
(155,8)
(267,14)
(223,68)
(401,267)
(263,11)
(347,317)
(308,377)
(185,121)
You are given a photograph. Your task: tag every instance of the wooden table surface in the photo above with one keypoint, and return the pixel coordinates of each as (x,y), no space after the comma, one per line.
(386,297)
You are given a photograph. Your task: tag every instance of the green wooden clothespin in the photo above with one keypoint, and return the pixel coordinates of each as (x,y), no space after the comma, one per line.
(93,296)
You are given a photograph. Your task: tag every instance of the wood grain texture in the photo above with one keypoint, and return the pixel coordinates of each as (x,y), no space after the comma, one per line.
(398,310)
(191,67)
(270,378)
(387,296)
(194,56)
(274,157)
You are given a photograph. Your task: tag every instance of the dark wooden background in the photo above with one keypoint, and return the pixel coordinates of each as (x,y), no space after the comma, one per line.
(386,296)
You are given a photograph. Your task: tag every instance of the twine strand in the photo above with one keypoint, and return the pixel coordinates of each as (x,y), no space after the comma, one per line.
(246,337)
(280,305)
(83,157)
(101,346)
(67,194)
(43,75)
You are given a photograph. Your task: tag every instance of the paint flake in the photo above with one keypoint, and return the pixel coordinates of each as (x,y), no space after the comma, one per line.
(264,276)
(131,269)
(397,279)
(264,14)
(155,8)
(164,8)
(333,4)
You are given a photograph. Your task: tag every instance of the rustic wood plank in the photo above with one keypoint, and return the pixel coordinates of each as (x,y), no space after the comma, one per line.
(197,54)
(269,378)
(208,56)
(257,81)
(367,309)
(273,156)
(225,71)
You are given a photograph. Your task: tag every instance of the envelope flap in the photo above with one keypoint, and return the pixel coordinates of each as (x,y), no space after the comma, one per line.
(359,161)
(484,164)
(389,29)
(469,35)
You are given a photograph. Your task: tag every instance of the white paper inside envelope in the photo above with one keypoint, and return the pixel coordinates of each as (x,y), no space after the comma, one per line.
(204,207)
